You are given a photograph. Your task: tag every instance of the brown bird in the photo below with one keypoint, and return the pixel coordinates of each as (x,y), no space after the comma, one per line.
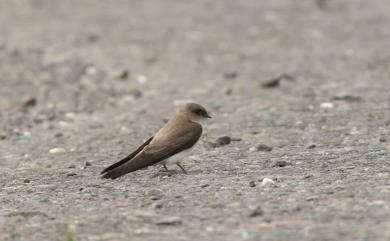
(169,145)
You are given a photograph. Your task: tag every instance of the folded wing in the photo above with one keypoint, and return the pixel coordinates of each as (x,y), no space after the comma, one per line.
(156,150)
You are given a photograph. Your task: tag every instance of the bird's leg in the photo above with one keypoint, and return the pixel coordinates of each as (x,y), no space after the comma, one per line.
(165,167)
(182,168)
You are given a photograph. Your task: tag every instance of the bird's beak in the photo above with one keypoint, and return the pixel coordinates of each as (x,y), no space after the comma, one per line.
(207,115)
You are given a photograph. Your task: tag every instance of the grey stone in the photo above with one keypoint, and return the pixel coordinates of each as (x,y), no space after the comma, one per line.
(28,101)
(264,147)
(155,194)
(87,164)
(230,75)
(169,221)
(157,205)
(346,97)
(256,211)
(280,163)
(311,146)
(275,82)
(221,141)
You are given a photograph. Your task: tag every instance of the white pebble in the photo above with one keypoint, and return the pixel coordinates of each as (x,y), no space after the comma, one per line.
(70,115)
(57,150)
(327,105)
(209,229)
(267,182)
(63,124)
(142,79)
(91,70)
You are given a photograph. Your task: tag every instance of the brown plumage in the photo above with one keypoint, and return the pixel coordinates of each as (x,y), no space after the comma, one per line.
(179,134)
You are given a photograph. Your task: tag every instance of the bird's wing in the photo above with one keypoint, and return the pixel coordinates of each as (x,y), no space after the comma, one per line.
(179,140)
(129,157)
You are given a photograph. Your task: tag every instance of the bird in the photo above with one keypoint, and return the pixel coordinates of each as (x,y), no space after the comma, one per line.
(174,141)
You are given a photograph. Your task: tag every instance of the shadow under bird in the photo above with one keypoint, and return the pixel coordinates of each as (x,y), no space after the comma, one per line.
(169,145)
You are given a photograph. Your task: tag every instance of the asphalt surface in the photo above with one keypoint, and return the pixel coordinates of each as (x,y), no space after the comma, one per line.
(301,87)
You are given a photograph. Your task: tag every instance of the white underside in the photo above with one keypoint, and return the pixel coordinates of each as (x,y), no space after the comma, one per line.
(177,158)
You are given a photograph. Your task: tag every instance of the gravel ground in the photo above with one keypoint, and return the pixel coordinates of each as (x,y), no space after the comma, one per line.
(302,86)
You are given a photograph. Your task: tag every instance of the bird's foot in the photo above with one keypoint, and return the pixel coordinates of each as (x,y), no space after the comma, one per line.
(182,168)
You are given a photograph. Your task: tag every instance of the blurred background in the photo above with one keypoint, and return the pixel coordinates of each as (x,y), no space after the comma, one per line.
(86,80)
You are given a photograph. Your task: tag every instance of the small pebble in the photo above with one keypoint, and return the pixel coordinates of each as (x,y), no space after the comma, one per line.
(308,176)
(87,164)
(142,79)
(70,115)
(71,174)
(224,140)
(141,231)
(327,105)
(267,182)
(311,146)
(157,206)
(205,185)
(281,178)
(221,141)
(154,198)
(210,229)
(28,101)
(272,83)
(169,221)
(155,194)
(346,97)
(136,94)
(91,70)
(57,150)
(252,183)
(275,82)
(311,198)
(26,180)
(382,139)
(63,124)
(120,74)
(72,166)
(256,211)
(280,163)
(230,75)
(44,200)
(341,168)
(263,147)
(3,136)
(50,115)
(92,37)
(236,139)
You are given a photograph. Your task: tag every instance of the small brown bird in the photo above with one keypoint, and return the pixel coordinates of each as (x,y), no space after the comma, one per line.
(169,145)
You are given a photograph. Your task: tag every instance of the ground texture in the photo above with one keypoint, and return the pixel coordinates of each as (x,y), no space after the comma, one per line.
(84,82)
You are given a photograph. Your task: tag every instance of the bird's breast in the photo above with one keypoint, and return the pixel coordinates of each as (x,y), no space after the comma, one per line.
(178,157)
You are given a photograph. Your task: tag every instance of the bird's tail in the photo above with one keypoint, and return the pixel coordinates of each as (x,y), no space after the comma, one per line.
(115,173)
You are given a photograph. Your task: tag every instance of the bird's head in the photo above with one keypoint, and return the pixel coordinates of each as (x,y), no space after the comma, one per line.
(195,112)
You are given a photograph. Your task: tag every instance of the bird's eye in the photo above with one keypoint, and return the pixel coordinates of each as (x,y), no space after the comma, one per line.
(198,111)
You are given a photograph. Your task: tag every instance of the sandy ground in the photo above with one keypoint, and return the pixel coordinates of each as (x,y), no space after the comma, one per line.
(84,82)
